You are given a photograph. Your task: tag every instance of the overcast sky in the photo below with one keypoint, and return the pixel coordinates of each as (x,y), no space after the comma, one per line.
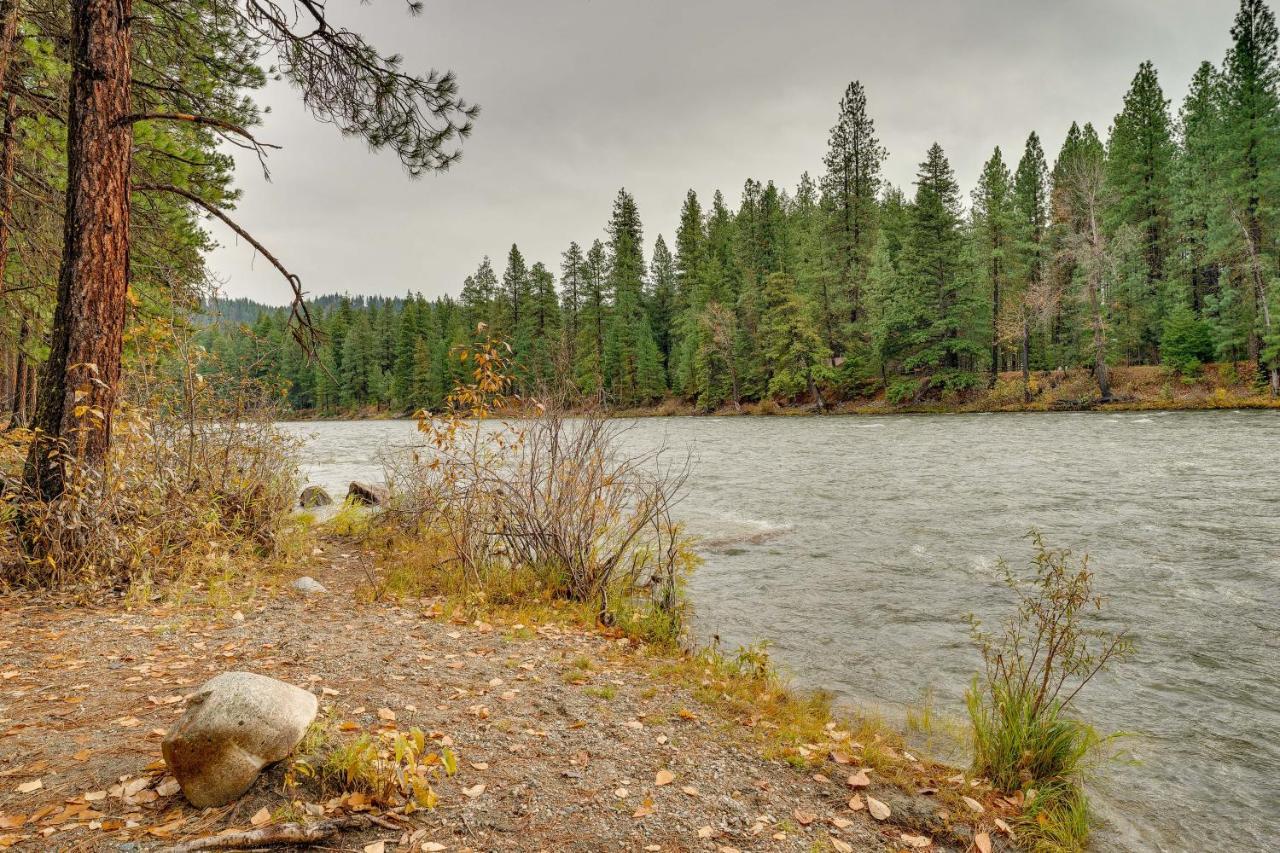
(581,97)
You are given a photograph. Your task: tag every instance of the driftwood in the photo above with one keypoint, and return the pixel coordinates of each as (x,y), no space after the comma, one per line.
(272,836)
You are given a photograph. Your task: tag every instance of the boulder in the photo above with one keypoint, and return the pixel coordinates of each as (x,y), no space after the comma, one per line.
(314,496)
(236,724)
(368,494)
(308,585)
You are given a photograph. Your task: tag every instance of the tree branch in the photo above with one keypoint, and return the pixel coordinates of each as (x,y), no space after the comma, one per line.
(303,330)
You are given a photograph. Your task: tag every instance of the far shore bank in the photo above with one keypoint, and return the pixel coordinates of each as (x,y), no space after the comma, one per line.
(1134,389)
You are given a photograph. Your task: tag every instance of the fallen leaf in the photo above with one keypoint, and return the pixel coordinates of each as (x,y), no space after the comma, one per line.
(983,842)
(819,778)
(664,777)
(387,714)
(706,832)
(856,804)
(878,810)
(644,809)
(474,791)
(841,846)
(261,816)
(841,822)
(690,790)
(376,847)
(1004,827)
(858,780)
(433,847)
(167,788)
(917,841)
(804,818)
(12,821)
(974,805)
(841,757)
(33,785)
(480,765)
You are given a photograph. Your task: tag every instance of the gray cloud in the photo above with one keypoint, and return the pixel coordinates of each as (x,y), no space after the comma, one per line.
(581,98)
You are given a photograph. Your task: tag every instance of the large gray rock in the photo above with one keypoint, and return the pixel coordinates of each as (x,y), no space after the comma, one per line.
(314,496)
(236,724)
(368,494)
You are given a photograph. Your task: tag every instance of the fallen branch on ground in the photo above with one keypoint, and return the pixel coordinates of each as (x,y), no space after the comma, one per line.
(270,836)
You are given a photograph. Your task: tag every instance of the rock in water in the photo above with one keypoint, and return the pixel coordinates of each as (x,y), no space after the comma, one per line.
(367,494)
(308,585)
(236,724)
(314,496)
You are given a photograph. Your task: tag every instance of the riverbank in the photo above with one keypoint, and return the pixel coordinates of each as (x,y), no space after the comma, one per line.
(1133,389)
(569,736)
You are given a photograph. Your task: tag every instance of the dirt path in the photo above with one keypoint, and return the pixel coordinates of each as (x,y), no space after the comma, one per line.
(567,730)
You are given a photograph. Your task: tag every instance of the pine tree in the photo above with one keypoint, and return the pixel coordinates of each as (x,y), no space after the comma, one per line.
(594,320)
(935,295)
(479,297)
(1249,170)
(1139,170)
(632,369)
(1030,224)
(543,325)
(661,301)
(690,270)
(794,350)
(850,188)
(1195,175)
(1079,197)
(514,299)
(993,227)
(572,293)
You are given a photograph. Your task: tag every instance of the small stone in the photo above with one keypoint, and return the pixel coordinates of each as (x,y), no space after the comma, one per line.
(308,585)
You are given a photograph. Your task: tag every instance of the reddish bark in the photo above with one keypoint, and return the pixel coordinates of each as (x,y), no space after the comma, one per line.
(78,385)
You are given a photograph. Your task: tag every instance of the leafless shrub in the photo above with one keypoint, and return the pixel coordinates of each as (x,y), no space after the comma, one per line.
(543,492)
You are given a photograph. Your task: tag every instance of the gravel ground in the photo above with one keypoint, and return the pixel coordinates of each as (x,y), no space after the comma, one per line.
(577,744)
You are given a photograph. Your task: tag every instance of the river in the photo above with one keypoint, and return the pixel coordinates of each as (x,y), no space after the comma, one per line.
(858,546)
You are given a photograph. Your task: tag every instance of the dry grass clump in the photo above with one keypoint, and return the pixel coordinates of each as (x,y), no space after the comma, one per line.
(196,473)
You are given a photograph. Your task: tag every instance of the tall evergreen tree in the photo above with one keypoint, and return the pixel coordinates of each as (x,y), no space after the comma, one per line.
(1140,158)
(1249,170)
(993,227)
(850,188)
(936,297)
(1030,222)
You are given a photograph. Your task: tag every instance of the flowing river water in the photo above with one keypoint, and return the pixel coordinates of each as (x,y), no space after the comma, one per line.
(858,546)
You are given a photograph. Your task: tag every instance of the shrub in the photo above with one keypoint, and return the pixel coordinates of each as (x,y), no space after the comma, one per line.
(902,390)
(195,473)
(1043,655)
(546,504)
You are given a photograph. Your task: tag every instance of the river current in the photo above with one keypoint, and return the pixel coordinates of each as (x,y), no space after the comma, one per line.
(858,546)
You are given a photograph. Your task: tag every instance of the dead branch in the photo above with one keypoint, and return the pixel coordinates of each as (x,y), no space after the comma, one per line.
(271,836)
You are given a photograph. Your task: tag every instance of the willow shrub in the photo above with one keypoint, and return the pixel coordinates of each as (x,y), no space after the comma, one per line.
(1025,738)
(512,499)
(197,477)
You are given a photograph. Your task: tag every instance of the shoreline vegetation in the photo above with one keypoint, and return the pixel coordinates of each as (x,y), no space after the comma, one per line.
(1134,389)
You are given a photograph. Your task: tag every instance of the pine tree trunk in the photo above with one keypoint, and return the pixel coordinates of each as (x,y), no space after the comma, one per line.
(78,384)
(1024,356)
(995,322)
